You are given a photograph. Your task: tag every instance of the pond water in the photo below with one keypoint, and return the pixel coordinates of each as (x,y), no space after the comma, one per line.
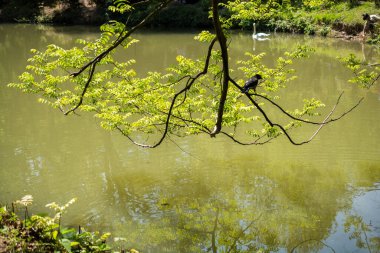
(200,194)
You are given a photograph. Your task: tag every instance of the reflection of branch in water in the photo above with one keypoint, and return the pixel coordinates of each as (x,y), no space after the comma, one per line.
(213,234)
(364,61)
(360,229)
(236,239)
(309,240)
(363,52)
(183,150)
(366,241)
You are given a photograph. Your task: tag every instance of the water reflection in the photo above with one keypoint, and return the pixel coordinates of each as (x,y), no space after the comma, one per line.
(240,210)
(216,196)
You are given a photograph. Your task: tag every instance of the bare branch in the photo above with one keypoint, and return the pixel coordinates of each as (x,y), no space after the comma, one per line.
(286,113)
(325,122)
(255,142)
(321,124)
(314,134)
(296,118)
(308,121)
(346,112)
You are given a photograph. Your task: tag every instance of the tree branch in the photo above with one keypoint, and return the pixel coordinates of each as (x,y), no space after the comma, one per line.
(122,37)
(321,124)
(255,142)
(169,113)
(223,47)
(225,79)
(92,70)
(115,44)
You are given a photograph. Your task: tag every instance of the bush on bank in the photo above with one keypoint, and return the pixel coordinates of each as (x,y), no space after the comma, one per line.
(306,16)
(321,19)
(41,233)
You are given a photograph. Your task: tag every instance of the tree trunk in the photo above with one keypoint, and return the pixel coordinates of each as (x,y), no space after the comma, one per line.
(223,48)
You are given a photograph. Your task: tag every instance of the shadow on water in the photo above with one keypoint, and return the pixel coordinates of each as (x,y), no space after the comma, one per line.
(217,196)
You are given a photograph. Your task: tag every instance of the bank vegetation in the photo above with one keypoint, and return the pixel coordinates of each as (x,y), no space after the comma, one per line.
(339,18)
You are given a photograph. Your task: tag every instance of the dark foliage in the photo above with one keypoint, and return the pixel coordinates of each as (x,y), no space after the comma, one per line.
(29,238)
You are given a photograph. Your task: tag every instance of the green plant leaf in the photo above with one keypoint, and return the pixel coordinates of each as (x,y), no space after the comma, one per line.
(66,244)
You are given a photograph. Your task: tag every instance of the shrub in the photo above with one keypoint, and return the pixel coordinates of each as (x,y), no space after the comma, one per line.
(20,11)
(324,31)
(38,233)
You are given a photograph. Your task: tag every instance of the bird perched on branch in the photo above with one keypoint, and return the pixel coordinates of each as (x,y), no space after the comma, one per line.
(252,83)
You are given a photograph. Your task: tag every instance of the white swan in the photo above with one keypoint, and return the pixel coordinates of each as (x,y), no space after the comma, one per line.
(259,36)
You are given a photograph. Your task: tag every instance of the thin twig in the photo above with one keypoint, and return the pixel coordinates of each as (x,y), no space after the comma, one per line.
(256,142)
(315,133)
(323,123)
(184,151)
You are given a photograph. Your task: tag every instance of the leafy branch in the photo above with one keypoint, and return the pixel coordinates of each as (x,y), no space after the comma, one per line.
(121,38)
(365,75)
(191,97)
(189,83)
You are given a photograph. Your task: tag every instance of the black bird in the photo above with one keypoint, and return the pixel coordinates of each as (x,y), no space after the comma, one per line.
(252,83)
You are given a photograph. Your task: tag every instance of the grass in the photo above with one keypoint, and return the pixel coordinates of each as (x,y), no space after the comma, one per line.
(343,13)
(339,17)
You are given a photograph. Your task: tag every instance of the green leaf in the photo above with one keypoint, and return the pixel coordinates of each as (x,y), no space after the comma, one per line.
(54,234)
(74,244)
(66,244)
